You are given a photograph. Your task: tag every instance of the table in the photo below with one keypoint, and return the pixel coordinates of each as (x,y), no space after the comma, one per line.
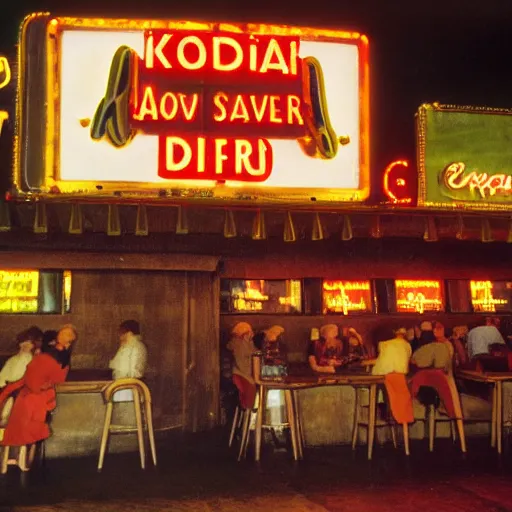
(295,383)
(89,386)
(496,379)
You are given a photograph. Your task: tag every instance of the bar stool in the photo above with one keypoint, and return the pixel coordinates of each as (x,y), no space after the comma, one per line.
(141,395)
(379,423)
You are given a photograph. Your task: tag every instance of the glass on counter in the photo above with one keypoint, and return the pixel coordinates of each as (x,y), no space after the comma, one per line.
(347,297)
(419,296)
(261,296)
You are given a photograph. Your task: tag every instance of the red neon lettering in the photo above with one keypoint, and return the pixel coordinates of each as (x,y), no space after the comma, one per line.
(395,182)
(182,53)
(219,159)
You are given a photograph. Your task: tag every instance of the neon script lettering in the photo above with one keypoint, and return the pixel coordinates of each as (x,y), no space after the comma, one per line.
(487,185)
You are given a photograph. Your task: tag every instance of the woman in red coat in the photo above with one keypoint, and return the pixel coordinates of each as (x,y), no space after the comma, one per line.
(27,423)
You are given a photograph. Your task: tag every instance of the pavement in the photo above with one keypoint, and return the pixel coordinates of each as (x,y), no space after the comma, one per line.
(198,473)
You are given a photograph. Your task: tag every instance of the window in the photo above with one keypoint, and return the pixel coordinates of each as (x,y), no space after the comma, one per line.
(347,297)
(416,296)
(33,291)
(261,296)
(458,296)
(491,296)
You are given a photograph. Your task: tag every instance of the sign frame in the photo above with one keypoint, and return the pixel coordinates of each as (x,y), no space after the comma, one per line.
(421,137)
(52,188)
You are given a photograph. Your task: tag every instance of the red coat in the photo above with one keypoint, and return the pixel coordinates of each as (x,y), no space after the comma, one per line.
(27,422)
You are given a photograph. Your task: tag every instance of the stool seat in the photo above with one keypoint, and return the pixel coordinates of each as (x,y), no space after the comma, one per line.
(143,417)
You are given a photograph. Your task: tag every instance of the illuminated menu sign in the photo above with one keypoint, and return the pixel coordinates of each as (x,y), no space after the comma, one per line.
(418,296)
(347,296)
(491,296)
(196,110)
(19,291)
(465,157)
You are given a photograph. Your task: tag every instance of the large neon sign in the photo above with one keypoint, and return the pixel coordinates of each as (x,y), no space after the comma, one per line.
(198,110)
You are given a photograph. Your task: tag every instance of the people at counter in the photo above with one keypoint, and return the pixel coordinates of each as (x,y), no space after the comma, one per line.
(394,355)
(274,352)
(130,359)
(28,421)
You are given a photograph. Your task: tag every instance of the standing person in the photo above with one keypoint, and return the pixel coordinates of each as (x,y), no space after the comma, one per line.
(130,359)
(242,346)
(458,340)
(36,398)
(14,368)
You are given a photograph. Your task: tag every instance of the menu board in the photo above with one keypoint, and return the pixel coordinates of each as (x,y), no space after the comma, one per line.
(19,291)
(418,296)
(346,296)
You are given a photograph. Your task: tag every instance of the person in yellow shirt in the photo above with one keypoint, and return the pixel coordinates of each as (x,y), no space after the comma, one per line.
(394,355)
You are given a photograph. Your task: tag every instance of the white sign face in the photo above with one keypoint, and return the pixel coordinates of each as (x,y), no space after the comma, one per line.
(325,151)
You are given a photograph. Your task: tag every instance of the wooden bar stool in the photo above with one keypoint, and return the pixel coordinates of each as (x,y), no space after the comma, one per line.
(141,395)
(388,422)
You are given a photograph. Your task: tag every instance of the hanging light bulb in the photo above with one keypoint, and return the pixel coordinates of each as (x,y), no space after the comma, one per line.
(40,220)
(5,216)
(229,224)
(317,233)
(460,228)
(346,231)
(114,222)
(509,236)
(259,230)
(486,231)
(376,230)
(141,222)
(182,221)
(75,220)
(289,229)
(430,234)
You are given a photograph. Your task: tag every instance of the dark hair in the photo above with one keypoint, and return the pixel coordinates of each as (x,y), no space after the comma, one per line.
(48,338)
(130,326)
(426,337)
(31,334)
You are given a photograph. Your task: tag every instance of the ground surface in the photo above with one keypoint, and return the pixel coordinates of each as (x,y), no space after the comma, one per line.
(199,474)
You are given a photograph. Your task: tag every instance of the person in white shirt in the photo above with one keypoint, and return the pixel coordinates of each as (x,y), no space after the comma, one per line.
(14,368)
(394,355)
(131,358)
(482,337)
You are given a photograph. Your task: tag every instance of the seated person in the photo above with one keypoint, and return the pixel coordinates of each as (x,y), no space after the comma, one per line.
(354,344)
(242,346)
(325,355)
(15,367)
(485,342)
(274,353)
(394,355)
(458,340)
(437,353)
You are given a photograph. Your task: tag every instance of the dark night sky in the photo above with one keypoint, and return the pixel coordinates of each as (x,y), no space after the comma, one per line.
(438,50)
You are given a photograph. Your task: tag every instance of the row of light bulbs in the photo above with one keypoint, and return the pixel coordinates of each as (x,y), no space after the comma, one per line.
(259,231)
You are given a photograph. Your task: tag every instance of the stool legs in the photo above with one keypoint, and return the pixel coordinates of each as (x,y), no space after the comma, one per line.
(140,430)
(5,460)
(462,437)
(290,411)
(151,432)
(246,425)
(104,436)
(233,426)
(406,438)
(355,428)
(431,427)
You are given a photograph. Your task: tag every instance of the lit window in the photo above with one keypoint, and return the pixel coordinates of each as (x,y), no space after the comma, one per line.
(491,296)
(346,297)
(32,291)
(261,296)
(416,296)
